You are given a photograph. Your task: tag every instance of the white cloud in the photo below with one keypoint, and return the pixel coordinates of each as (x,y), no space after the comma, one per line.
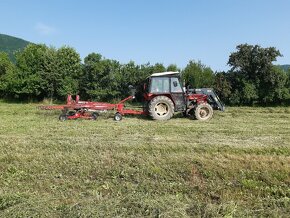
(44,29)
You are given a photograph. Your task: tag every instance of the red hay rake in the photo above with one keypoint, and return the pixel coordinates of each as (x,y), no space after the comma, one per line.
(75,109)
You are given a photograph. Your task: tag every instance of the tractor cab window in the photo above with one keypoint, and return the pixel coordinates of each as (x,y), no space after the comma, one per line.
(175,85)
(159,85)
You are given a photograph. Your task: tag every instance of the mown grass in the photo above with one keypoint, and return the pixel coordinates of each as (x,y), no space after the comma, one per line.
(236,165)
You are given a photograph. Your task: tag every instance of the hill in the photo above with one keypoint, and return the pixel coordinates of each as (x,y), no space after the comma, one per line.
(10,45)
(285,67)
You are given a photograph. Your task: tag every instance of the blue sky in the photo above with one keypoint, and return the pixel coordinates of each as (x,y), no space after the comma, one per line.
(164,31)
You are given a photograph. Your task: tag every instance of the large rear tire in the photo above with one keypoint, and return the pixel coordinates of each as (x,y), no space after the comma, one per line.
(203,112)
(161,108)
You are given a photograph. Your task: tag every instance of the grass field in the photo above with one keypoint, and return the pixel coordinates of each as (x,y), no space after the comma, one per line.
(236,165)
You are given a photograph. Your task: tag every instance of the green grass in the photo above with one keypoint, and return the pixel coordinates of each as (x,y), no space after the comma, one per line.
(236,165)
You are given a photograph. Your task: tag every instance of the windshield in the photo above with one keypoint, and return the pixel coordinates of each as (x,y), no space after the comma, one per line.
(159,85)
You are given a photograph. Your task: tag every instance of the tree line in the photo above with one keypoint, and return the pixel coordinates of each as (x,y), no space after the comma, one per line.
(46,72)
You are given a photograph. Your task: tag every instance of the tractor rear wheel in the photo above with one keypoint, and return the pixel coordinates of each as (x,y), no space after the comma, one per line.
(161,108)
(203,112)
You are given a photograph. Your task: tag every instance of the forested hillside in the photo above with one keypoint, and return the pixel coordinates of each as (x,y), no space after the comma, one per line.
(10,45)
(285,67)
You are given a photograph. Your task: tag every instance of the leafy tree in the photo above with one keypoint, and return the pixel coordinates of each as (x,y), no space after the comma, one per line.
(7,69)
(89,78)
(44,72)
(222,85)
(105,79)
(288,81)
(173,68)
(100,78)
(254,76)
(158,68)
(50,75)
(129,74)
(5,64)
(30,66)
(69,71)
(288,86)
(275,86)
(133,74)
(198,75)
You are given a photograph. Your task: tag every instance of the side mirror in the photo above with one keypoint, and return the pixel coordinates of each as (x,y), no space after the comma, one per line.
(190,89)
(175,84)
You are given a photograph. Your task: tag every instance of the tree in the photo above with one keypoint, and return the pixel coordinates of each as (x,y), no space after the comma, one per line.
(7,69)
(288,86)
(50,77)
(254,76)
(275,86)
(132,74)
(198,75)
(129,74)
(89,77)
(44,72)
(173,68)
(288,81)
(69,70)
(100,79)
(222,85)
(30,65)
(158,68)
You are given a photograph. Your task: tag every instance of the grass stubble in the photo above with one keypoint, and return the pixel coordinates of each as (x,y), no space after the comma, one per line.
(236,165)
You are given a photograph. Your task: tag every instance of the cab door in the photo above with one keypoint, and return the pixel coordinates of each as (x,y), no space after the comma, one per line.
(177,94)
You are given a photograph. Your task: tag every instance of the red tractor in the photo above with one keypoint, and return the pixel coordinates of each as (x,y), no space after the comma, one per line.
(164,95)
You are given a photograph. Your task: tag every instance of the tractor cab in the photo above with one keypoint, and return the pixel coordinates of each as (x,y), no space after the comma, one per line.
(166,84)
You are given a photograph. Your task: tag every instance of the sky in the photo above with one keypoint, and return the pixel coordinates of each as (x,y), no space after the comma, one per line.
(155,31)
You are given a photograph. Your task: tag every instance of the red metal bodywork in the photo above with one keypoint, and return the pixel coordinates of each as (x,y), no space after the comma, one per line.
(80,114)
(197,98)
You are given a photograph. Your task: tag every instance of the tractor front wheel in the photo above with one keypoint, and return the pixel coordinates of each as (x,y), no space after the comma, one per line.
(203,112)
(161,108)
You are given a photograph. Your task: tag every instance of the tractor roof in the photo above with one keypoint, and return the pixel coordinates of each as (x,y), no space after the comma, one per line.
(169,73)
